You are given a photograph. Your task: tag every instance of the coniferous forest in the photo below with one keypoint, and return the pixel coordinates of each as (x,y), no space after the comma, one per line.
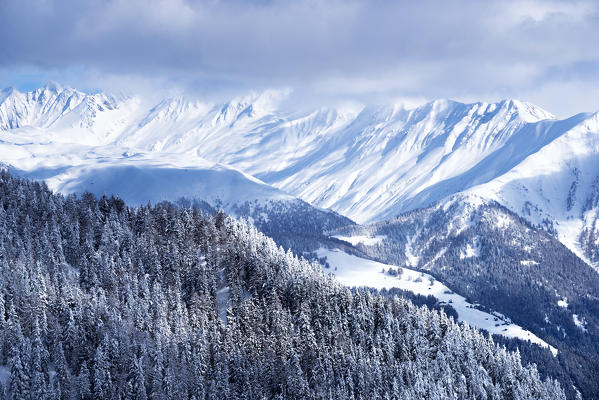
(519,270)
(102,301)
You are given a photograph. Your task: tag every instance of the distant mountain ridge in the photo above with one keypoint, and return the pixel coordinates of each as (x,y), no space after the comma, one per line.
(367,163)
(50,105)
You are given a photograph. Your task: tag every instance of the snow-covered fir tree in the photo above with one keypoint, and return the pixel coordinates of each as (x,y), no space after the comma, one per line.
(102,301)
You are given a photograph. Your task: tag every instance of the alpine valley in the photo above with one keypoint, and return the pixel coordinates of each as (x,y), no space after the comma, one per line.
(487,213)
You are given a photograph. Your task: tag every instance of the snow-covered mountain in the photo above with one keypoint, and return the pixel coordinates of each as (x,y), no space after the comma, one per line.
(494,258)
(140,179)
(367,163)
(52,106)
(557,187)
(472,183)
(74,141)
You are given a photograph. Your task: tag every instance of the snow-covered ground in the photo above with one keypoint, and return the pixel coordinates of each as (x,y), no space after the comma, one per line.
(135,176)
(581,323)
(355,271)
(563,303)
(138,180)
(365,240)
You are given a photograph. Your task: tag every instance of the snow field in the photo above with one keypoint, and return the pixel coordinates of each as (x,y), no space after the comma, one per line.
(354,271)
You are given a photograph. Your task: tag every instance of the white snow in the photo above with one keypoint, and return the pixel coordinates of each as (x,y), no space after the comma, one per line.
(470,251)
(137,176)
(365,240)
(354,271)
(502,221)
(223,297)
(411,257)
(139,180)
(563,303)
(581,323)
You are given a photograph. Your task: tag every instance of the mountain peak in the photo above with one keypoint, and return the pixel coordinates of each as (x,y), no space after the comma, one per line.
(528,112)
(53,87)
(443,103)
(9,90)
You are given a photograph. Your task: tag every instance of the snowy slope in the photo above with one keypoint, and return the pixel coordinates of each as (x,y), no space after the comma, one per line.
(355,271)
(557,186)
(386,157)
(139,180)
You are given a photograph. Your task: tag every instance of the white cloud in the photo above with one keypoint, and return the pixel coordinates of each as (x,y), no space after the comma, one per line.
(538,11)
(366,49)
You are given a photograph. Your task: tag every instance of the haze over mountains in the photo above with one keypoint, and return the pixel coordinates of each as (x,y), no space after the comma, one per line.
(367,163)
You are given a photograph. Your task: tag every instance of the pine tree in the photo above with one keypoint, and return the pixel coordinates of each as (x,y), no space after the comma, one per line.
(83,388)
(137,380)
(157,373)
(39,367)
(102,382)
(63,374)
(19,379)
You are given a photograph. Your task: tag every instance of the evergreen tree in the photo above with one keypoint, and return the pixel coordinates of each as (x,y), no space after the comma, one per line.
(19,379)
(102,382)
(168,303)
(137,381)
(83,386)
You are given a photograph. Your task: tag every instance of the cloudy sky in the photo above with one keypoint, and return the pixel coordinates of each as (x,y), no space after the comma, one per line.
(546,52)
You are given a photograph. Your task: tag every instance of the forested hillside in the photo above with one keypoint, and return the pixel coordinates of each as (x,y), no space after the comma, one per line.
(292,224)
(497,259)
(102,301)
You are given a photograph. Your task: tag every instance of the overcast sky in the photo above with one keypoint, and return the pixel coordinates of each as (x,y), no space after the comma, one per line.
(372,51)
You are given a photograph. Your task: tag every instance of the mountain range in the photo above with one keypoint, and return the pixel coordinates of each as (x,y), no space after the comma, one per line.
(366,163)
(496,205)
